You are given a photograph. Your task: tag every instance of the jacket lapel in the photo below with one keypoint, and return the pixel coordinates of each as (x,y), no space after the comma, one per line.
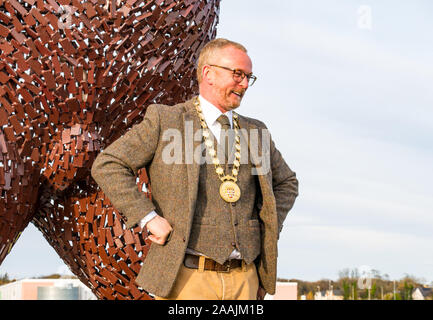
(190,125)
(265,178)
(249,131)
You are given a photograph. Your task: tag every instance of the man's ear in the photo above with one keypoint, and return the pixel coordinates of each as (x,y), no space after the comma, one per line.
(207,75)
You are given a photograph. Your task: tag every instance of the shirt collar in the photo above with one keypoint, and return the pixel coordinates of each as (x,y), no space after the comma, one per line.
(211,113)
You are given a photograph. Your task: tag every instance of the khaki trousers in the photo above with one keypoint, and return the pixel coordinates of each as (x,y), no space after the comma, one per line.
(198,284)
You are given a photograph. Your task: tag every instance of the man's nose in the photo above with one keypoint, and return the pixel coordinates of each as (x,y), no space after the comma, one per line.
(244,83)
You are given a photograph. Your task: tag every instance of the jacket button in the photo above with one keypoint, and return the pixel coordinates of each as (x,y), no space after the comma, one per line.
(184,239)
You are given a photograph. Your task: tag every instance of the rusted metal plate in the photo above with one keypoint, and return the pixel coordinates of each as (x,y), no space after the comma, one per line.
(74,76)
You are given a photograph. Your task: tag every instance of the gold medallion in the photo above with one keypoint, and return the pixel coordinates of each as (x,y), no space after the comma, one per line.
(230,191)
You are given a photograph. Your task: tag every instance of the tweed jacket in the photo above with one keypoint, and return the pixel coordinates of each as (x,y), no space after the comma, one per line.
(175,188)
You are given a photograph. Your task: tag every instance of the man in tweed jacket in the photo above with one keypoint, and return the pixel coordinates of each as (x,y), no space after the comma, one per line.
(203,246)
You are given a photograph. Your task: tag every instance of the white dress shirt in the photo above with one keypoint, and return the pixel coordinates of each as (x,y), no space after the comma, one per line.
(210,114)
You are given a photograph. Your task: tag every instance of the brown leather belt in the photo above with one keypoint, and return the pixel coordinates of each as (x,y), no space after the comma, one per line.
(192,262)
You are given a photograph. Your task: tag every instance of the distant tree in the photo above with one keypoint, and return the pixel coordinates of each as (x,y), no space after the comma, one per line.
(388,296)
(373,290)
(4,279)
(376,274)
(407,284)
(51,276)
(310,296)
(364,294)
(348,283)
(344,274)
(355,290)
(410,279)
(354,274)
(407,292)
(346,290)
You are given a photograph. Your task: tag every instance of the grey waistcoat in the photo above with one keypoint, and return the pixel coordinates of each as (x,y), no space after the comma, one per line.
(219,227)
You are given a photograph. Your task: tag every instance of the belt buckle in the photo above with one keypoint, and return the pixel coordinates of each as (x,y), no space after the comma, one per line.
(226,267)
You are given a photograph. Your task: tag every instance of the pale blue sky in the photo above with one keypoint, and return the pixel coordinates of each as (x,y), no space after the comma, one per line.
(350,110)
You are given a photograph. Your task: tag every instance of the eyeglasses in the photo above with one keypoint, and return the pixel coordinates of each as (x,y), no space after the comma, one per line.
(239,75)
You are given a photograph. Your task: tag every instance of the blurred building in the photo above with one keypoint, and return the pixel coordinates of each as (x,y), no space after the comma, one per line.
(422,293)
(284,291)
(46,289)
(329,295)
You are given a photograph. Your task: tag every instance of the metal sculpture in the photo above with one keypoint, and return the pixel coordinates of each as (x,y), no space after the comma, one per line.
(74,76)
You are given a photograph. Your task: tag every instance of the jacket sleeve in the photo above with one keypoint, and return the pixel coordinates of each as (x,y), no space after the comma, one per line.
(284,185)
(115,169)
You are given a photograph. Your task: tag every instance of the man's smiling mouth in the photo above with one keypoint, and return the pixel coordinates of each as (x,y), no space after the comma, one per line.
(239,94)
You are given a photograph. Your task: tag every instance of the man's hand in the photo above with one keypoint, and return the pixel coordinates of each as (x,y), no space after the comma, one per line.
(261,293)
(160,229)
